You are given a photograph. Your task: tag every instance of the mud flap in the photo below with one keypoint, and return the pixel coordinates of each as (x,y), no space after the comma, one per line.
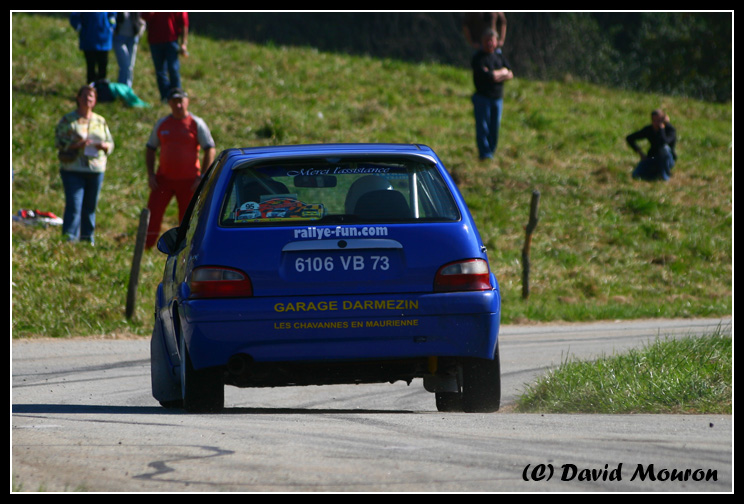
(166,384)
(441,383)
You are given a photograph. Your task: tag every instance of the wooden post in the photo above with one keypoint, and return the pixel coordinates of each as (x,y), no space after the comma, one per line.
(139,247)
(531,225)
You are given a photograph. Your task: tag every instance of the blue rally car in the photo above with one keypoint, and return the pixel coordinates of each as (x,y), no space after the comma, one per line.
(326,264)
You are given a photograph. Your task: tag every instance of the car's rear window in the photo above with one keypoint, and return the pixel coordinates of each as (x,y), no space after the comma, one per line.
(345,190)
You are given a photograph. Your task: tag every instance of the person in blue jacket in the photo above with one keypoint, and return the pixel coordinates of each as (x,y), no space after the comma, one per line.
(96,31)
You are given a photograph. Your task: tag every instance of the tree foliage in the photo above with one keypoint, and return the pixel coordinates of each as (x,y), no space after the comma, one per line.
(676,53)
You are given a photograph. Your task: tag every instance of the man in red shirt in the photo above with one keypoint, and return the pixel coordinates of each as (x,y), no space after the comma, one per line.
(179,137)
(164,29)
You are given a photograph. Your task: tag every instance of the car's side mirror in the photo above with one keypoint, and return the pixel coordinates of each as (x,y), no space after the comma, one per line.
(167,242)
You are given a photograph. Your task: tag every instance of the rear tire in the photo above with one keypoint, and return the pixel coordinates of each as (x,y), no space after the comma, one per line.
(481,384)
(203,391)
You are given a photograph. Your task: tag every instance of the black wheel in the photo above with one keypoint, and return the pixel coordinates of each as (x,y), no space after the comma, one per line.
(203,391)
(481,385)
(448,401)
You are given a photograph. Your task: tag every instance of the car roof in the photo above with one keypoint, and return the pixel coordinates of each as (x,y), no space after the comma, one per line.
(279,151)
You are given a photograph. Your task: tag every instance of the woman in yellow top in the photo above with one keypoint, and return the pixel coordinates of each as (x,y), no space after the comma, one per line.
(84,143)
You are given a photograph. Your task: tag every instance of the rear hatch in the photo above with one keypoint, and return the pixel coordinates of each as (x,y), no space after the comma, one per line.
(344,225)
(340,260)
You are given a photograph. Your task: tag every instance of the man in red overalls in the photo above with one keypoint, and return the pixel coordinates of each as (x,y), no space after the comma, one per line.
(179,136)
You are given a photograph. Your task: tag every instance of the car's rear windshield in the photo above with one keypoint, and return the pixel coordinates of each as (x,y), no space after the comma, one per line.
(332,191)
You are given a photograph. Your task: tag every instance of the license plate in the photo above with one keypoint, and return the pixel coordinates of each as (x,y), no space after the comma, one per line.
(342,260)
(342,263)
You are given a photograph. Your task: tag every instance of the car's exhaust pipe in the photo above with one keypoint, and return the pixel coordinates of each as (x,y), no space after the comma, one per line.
(239,364)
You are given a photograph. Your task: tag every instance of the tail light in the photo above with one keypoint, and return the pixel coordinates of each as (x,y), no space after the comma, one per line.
(469,275)
(219,282)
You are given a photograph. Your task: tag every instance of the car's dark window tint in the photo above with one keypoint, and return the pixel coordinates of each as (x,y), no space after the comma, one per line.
(187,227)
(340,190)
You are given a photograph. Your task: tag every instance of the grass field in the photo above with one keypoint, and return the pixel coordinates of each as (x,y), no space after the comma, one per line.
(690,375)
(606,246)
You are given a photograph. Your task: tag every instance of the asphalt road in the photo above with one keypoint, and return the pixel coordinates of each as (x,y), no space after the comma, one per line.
(83,420)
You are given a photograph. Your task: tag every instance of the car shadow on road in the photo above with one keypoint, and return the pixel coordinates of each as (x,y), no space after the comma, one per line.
(37,409)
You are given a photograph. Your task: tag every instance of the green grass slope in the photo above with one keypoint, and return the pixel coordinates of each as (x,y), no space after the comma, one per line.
(606,246)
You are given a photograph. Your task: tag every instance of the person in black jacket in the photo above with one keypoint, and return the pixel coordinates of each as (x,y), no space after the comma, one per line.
(658,161)
(490,71)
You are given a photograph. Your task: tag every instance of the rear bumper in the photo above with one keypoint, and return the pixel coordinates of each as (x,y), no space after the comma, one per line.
(342,328)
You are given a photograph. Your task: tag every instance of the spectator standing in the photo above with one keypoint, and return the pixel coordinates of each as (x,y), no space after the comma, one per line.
(179,137)
(474,24)
(657,163)
(129,28)
(96,30)
(84,143)
(167,34)
(490,71)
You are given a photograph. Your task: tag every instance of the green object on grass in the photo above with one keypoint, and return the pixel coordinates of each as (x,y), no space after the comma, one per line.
(126,94)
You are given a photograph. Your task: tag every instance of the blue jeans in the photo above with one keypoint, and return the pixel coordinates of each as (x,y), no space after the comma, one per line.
(487,112)
(167,66)
(81,199)
(655,168)
(125,49)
